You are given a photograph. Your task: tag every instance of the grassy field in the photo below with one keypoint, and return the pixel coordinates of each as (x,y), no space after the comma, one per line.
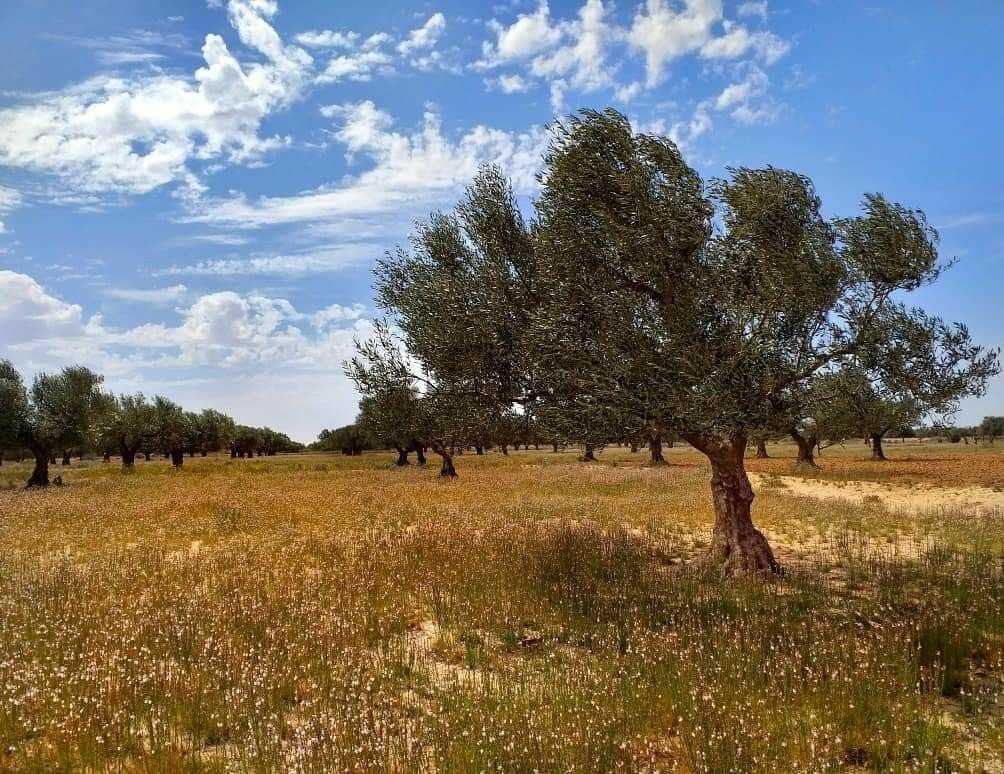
(327,613)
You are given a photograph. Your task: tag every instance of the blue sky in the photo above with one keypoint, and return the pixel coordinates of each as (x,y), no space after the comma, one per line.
(192,193)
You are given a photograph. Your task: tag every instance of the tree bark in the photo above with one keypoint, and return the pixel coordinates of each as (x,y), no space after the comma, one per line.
(736,545)
(40,475)
(588,455)
(66,458)
(447,470)
(177,457)
(402,457)
(554,448)
(761,450)
(878,454)
(505,449)
(655,449)
(805,451)
(128,457)
(420,454)
(479,450)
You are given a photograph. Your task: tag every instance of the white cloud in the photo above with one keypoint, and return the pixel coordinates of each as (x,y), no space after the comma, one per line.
(10,199)
(528,35)
(582,61)
(408,172)
(337,313)
(424,37)
(328,39)
(738,41)
(131,135)
(357,66)
(168,295)
(219,338)
(664,34)
(511,84)
(29,313)
(743,99)
(753,85)
(749,9)
(316,261)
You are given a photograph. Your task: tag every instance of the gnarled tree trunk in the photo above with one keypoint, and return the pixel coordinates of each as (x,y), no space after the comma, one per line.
(402,457)
(761,450)
(128,457)
(655,449)
(420,454)
(588,455)
(177,457)
(806,447)
(878,453)
(66,458)
(736,545)
(40,475)
(447,470)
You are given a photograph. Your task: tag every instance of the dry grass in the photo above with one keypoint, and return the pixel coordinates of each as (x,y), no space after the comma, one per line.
(325,613)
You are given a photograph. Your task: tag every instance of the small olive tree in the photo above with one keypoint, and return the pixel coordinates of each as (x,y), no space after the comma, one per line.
(57,412)
(126,424)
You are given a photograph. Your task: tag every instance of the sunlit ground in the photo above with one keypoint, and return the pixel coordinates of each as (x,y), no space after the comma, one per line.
(319,612)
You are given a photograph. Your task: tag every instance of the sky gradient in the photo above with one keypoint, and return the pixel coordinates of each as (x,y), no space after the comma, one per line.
(192,193)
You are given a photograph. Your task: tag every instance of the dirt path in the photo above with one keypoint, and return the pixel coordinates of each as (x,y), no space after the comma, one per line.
(913,498)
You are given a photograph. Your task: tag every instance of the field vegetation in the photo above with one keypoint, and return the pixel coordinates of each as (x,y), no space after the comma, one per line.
(317,612)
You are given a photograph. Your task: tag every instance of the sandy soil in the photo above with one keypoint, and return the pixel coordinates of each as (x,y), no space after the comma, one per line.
(918,497)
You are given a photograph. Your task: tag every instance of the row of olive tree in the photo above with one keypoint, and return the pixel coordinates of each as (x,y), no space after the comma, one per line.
(641,295)
(68,411)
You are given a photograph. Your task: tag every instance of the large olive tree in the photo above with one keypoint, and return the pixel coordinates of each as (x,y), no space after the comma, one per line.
(724,300)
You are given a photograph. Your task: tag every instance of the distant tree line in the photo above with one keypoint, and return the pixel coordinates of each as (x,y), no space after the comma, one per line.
(67,414)
(642,302)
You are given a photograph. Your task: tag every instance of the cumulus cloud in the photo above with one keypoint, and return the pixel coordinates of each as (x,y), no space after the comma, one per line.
(357,66)
(130,135)
(530,34)
(424,37)
(577,54)
(223,330)
(408,172)
(738,41)
(570,53)
(29,313)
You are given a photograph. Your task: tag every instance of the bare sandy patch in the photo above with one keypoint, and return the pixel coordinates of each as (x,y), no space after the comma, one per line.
(919,497)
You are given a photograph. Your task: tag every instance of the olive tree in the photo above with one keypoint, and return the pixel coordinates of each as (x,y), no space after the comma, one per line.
(57,412)
(461,299)
(991,427)
(724,300)
(127,423)
(171,429)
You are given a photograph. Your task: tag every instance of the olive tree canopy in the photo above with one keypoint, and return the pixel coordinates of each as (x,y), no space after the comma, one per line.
(57,412)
